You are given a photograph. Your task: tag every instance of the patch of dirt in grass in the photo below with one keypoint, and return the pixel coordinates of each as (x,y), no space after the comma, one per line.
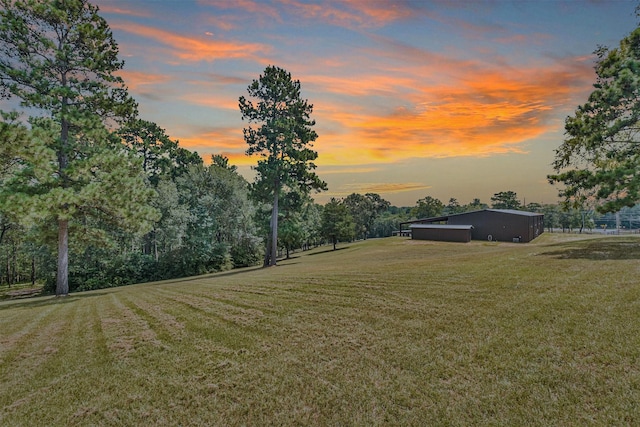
(598,249)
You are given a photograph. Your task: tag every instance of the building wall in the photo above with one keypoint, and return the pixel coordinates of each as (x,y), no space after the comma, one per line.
(441,234)
(501,226)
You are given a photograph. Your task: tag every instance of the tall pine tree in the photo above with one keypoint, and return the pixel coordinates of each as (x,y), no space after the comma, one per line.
(283,139)
(58,57)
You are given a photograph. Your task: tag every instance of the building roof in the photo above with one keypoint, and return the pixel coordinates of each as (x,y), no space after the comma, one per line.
(442,226)
(511,212)
(446,217)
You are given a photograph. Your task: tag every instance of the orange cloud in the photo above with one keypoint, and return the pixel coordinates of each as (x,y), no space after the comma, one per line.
(194,49)
(377,84)
(378,187)
(212,101)
(216,139)
(349,170)
(135,80)
(227,141)
(484,113)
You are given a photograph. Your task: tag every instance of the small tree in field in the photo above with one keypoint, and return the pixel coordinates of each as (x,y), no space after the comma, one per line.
(282,138)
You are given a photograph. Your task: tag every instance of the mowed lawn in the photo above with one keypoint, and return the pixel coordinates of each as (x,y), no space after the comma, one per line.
(382,332)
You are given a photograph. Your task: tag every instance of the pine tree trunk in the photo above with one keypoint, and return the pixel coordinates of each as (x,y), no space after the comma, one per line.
(62,280)
(62,283)
(274,229)
(266,252)
(155,245)
(16,273)
(8,271)
(33,271)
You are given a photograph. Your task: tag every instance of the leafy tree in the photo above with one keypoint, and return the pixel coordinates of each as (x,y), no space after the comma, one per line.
(551,216)
(171,229)
(14,137)
(570,219)
(364,211)
(235,218)
(291,232)
(389,220)
(291,226)
(475,205)
(453,207)
(600,155)
(282,138)
(60,57)
(427,207)
(312,225)
(337,223)
(163,160)
(533,207)
(153,145)
(223,162)
(379,204)
(218,230)
(505,200)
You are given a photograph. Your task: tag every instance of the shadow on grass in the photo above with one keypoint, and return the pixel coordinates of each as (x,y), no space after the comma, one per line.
(328,250)
(620,248)
(45,300)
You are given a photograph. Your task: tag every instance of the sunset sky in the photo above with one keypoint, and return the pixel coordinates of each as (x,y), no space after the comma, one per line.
(457,99)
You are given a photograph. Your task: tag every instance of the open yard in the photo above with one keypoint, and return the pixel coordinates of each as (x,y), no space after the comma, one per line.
(382,332)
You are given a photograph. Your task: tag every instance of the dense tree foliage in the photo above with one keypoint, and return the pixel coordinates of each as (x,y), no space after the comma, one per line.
(337,222)
(505,200)
(453,207)
(427,207)
(126,202)
(283,138)
(364,210)
(161,156)
(600,156)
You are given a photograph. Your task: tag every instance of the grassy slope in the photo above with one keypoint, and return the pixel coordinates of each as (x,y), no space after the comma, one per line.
(388,331)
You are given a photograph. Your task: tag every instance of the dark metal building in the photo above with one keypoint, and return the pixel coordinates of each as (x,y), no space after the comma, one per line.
(504,225)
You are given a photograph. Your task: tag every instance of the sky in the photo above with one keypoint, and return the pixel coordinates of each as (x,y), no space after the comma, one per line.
(448,99)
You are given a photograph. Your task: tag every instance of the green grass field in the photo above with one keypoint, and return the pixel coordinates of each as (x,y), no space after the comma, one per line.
(382,332)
